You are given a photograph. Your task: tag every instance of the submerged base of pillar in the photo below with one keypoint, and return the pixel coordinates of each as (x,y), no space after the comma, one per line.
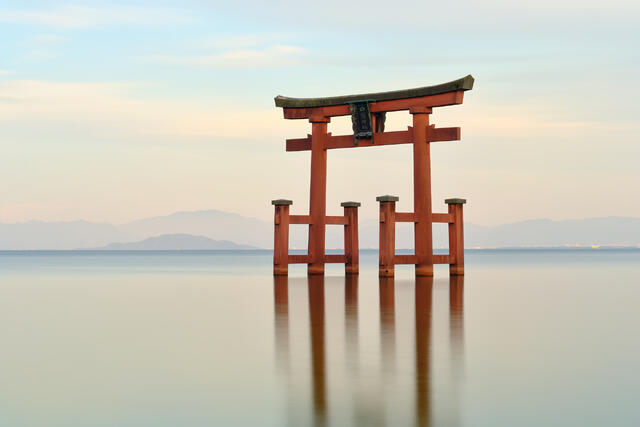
(351,269)
(313,270)
(424,270)
(456,270)
(280,270)
(386,272)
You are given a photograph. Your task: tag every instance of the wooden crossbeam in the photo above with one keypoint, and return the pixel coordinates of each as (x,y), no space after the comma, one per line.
(405,217)
(404,259)
(330,258)
(336,220)
(440,100)
(335,258)
(442,217)
(442,259)
(397,259)
(411,259)
(299,259)
(382,138)
(299,219)
(330,219)
(411,217)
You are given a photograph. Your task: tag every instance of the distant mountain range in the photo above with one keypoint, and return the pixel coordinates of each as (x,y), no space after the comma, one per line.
(212,224)
(607,231)
(176,242)
(224,228)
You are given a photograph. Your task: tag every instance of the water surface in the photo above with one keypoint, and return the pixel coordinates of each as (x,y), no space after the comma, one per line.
(526,338)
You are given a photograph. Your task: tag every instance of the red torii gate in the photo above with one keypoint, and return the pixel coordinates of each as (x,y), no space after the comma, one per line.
(368,116)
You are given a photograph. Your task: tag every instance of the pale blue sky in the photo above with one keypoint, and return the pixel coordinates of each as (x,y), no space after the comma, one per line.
(111,111)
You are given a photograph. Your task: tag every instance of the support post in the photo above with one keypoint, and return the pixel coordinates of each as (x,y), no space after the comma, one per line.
(351,249)
(456,237)
(423,230)
(281,237)
(318,195)
(387,249)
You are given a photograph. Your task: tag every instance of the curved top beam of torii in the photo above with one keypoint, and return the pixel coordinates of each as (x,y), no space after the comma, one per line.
(465,83)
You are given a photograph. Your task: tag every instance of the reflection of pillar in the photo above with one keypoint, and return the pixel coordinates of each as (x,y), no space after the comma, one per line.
(424,286)
(456,343)
(351,319)
(387,323)
(281,315)
(456,312)
(316,317)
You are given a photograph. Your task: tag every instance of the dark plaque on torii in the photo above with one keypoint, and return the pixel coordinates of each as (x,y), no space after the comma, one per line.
(368,115)
(362,122)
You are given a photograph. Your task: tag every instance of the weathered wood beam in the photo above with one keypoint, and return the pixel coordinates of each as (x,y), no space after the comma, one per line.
(442,259)
(440,100)
(382,138)
(299,219)
(336,220)
(404,259)
(435,134)
(442,217)
(306,219)
(465,83)
(405,217)
(299,259)
(335,258)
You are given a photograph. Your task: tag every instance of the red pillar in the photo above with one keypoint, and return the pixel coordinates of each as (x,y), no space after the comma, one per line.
(456,237)
(387,249)
(318,195)
(422,192)
(281,237)
(351,249)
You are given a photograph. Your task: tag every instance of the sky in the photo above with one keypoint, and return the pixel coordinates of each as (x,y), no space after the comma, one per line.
(114,111)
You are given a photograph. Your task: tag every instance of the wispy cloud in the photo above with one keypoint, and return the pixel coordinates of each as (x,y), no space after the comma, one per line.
(267,57)
(42,47)
(79,17)
(48,40)
(109,111)
(238,41)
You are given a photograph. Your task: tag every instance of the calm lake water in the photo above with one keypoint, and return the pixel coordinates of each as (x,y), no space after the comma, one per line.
(526,338)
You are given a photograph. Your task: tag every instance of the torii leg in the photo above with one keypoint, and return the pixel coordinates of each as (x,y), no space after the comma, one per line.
(422,192)
(318,197)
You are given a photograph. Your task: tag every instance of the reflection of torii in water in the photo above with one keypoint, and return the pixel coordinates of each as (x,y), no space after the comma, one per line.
(423,338)
(315,291)
(368,114)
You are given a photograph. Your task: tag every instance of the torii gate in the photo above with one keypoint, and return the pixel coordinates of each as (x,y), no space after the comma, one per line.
(368,116)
